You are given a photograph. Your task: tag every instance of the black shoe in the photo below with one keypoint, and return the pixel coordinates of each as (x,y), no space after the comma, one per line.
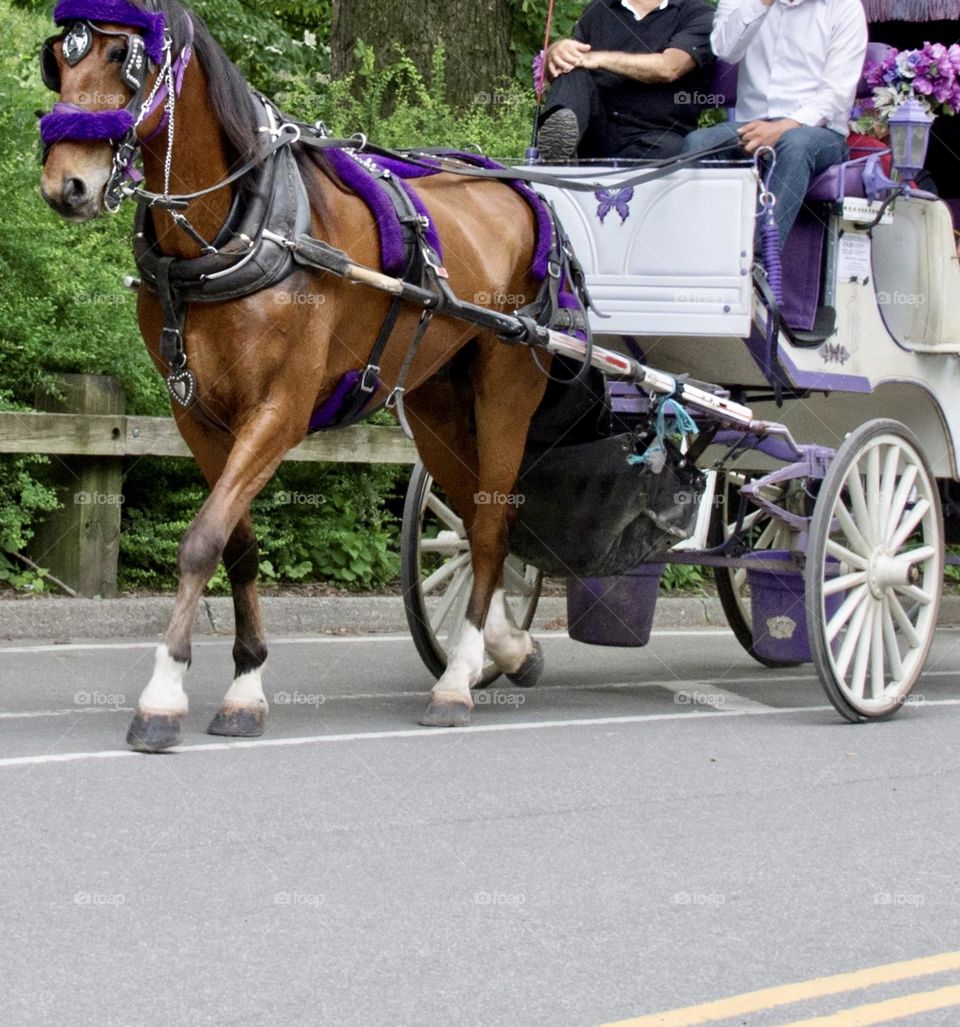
(559,135)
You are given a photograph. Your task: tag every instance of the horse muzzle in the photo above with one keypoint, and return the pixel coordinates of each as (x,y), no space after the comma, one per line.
(74,195)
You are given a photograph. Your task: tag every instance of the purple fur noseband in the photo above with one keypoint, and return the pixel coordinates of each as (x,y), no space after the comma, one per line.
(67,121)
(120,12)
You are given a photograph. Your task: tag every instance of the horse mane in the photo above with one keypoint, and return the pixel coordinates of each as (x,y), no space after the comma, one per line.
(229,92)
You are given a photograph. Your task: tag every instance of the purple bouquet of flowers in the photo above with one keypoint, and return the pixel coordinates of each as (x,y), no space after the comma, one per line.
(930,75)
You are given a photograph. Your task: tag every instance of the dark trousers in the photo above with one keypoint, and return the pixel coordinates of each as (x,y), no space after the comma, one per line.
(603,133)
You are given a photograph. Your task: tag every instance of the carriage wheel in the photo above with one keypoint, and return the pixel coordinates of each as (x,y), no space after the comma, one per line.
(874,571)
(762,532)
(435,565)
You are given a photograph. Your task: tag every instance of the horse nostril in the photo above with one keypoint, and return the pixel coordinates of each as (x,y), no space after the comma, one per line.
(74,192)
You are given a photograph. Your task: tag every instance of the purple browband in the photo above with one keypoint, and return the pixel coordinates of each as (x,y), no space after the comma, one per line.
(67,121)
(120,12)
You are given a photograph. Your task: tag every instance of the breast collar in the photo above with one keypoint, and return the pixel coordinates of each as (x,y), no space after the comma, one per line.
(245,256)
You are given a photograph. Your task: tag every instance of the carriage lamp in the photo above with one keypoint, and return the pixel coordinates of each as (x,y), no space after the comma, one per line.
(909,138)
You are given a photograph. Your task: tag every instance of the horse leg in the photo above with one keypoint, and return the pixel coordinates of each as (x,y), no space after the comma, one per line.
(255,455)
(243,712)
(507,394)
(513,650)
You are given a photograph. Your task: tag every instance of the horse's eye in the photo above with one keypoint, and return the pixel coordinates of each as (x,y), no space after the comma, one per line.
(117,55)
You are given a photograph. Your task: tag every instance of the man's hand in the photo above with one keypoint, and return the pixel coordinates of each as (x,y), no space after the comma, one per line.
(765,133)
(564,56)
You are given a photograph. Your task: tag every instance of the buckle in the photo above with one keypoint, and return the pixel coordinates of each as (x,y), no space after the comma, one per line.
(371,371)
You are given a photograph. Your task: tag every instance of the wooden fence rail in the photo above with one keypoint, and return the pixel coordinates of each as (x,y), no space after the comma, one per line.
(85,427)
(105,435)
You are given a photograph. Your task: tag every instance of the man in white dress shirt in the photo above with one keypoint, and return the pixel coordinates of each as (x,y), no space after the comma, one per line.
(800,62)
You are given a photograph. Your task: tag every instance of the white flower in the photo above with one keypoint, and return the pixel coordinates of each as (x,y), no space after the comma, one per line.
(904,68)
(310,39)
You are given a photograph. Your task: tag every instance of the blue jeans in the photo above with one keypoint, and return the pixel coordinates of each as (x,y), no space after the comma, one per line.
(802,154)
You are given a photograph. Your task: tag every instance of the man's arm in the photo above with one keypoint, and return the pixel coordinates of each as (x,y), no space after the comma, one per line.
(848,49)
(688,49)
(642,67)
(735,25)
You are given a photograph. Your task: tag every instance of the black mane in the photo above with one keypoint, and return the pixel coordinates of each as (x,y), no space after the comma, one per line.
(229,91)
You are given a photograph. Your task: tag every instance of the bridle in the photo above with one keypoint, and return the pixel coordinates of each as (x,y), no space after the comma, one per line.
(118,126)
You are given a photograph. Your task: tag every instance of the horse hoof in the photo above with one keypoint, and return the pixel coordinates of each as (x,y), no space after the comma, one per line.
(531,669)
(154,732)
(446,713)
(237,721)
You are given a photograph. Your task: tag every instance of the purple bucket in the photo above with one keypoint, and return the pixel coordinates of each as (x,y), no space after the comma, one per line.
(778,610)
(614,611)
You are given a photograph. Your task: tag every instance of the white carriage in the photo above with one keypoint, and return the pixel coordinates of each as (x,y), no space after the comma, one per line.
(860,361)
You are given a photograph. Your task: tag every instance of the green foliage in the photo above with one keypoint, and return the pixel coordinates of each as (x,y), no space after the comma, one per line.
(530,24)
(397,106)
(314,522)
(681,577)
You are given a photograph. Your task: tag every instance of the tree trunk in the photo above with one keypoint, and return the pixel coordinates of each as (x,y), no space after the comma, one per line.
(475,37)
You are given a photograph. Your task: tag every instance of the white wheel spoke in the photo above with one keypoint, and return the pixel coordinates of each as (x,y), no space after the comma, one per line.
(459,613)
(900,499)
(443,545)
(442,573)
(860,512)
(739,579)
(907,629)
(863,644)
(887,488)
(449,518)
(849,527)
(873,491)
(890,643)
(909,524)
(843,582)
(514,579)
(767,536)
(457,587)
(915,593)
(845,555)
(850,604)
(912,556)
(877,683)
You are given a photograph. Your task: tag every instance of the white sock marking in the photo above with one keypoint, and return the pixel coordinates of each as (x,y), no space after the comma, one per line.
(506,643)
(464,666)
(247,690)
(164,692)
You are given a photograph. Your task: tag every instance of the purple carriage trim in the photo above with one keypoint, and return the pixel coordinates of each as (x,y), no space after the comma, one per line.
(119,12)
(69,122)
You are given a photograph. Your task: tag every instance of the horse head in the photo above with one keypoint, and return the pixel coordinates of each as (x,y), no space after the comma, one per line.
(104,65)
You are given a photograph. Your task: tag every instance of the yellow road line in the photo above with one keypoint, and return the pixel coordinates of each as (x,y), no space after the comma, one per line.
(786,994)
(884,1012)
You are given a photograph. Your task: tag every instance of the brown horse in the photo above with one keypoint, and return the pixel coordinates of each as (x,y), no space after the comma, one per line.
(264,363)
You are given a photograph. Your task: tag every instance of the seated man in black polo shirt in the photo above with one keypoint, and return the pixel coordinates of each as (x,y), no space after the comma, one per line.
(631,81)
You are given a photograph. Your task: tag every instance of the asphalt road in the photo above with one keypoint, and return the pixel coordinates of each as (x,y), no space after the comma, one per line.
(645,830)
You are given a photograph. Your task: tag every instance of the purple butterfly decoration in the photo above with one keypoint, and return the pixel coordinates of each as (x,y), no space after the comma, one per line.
(619,201)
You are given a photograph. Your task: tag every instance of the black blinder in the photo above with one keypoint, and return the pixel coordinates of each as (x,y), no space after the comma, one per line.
(49,65)
(135,63)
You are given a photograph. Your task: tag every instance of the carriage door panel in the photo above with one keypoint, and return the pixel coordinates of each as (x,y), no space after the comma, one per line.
(670,257)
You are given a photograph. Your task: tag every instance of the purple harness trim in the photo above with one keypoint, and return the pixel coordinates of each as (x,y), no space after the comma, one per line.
(361,180)
(119,12)
(179,70)
(330,409)
(68,121)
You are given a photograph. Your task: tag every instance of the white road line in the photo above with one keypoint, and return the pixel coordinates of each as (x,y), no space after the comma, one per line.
(65,713)
(73,647)
(431,733)
(421,734)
